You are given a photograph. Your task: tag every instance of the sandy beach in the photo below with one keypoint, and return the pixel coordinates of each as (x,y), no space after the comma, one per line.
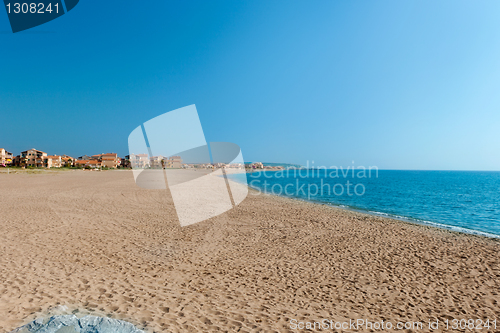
(93,242)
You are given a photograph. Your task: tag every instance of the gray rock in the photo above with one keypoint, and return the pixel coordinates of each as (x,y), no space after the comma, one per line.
(73,324)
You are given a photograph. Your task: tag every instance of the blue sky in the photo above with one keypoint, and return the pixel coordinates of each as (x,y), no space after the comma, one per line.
(396,84)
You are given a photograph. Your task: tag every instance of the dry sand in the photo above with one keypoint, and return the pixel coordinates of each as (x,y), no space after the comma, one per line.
(96,243)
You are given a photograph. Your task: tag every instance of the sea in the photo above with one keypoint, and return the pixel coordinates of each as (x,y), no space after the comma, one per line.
(463,201)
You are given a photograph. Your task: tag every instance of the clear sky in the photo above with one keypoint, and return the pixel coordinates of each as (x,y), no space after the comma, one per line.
(395,84)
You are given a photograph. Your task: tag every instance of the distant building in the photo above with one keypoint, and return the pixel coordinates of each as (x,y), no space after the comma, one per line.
(16,161)
(84,158)
(236,166)
(173,162)
(94,164)
(80,163)
(52,161)
(220,165)
(125,162)
(257,165)
(31,158)
(156,162)
(138,161)
(6,157)
(68,161)
(110,160)
(143,161)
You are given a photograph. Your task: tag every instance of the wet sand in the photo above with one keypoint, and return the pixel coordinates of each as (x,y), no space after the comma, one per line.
(93,242)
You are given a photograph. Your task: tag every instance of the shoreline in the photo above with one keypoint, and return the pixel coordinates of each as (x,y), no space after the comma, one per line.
(439,225)
(413,221)
(426,225)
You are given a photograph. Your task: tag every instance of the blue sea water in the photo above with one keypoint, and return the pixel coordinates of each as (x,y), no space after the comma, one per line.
(466,201)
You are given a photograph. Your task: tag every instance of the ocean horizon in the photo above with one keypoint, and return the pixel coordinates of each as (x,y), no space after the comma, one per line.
(463,201)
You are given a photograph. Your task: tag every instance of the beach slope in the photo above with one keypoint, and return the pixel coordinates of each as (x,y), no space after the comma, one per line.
(94,243)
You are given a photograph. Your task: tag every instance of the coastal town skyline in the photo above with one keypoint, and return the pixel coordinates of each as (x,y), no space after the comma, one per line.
(34,158)
(40,159)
